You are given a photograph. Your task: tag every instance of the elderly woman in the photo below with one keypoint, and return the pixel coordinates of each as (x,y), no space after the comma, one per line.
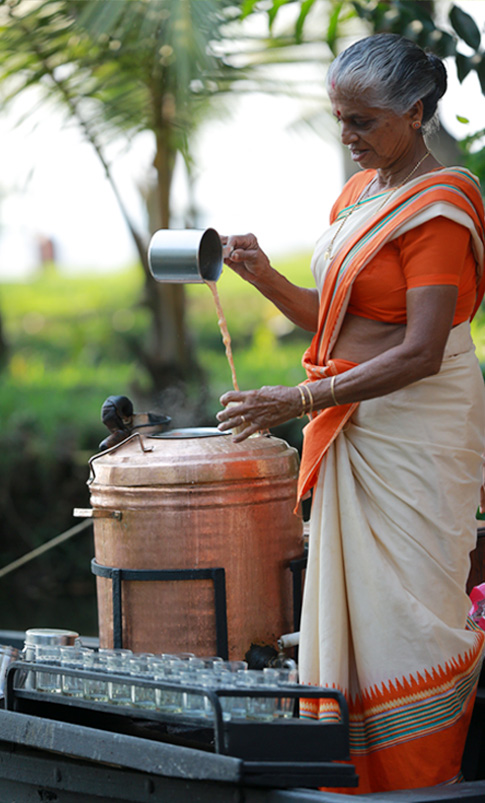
(397,415)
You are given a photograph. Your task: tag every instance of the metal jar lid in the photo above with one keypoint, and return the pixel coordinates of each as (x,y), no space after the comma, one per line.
(49,635)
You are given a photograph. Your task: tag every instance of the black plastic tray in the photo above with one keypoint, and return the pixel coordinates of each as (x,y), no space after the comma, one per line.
(269,747)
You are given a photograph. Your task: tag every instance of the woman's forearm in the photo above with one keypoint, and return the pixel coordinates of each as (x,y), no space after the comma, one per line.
(430,313)
(386,373)
(246,258)
(298,304)
(267,407)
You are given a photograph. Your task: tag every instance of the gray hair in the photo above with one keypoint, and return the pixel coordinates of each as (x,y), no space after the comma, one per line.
(393,72)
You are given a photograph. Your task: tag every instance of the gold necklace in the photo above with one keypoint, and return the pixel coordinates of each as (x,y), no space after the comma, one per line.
(328,253)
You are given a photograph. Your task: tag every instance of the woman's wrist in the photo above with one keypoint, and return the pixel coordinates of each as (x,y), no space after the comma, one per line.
(306,399)
(332,391)
(302,401)
(319,395)
(264,279)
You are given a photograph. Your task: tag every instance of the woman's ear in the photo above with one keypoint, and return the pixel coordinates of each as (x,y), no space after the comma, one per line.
(415,114)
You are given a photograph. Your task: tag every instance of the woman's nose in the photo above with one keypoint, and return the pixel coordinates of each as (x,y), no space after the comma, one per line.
(347,135)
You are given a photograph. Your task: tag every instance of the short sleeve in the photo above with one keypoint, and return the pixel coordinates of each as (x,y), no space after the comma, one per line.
(436,252)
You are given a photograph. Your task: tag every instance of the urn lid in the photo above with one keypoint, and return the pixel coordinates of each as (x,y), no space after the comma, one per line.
(185,457)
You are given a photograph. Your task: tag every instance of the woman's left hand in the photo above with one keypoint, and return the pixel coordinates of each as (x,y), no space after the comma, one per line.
(256,410)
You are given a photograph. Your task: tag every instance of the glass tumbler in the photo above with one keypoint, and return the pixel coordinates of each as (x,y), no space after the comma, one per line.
(210,660)
(107,651)
(276,678)
(227,673)
(209,681)
(232,707)
(95,688)
(190,672)
(141,696)
(229,666)
(260,708)
(119,693)
(48,679)
(72,657)
(168,700)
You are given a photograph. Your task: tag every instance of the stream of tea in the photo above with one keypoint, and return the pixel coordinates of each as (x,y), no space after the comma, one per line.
(226,339)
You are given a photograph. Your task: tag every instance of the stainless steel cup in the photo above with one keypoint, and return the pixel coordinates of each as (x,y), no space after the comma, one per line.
(185,256)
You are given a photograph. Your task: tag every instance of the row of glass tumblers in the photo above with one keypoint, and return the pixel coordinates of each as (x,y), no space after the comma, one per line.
(183,669)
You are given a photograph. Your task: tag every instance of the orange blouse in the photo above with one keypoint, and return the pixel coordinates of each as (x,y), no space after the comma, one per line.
(436,252)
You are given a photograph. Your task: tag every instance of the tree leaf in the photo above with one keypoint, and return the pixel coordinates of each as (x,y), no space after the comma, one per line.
(247,7)
(304,11)
(466,27)
(461,119)
(332,30)
(361,9)
(273,11)
(441,43)
(480,68)
(101,18)
(463,66)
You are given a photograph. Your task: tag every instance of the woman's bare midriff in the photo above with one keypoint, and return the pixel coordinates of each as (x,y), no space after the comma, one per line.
(361,339)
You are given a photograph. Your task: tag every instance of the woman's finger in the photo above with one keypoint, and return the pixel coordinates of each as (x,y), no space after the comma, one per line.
(233,419)
(231,416)
(250,257)
(245,432)
(232,397)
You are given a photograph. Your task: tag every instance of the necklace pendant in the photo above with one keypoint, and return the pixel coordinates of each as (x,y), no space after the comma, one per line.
(327,254)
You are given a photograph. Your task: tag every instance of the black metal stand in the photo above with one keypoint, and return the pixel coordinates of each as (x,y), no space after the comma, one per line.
(297,567)
(117,576)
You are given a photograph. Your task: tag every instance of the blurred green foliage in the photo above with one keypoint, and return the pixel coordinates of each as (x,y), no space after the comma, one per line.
(67,349)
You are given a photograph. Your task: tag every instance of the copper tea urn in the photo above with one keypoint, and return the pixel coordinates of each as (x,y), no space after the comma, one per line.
(194,499)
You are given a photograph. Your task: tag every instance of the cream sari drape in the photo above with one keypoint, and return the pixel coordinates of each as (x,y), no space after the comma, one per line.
(385,610)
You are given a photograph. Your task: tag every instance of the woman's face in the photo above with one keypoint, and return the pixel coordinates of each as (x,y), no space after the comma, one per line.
(377,138)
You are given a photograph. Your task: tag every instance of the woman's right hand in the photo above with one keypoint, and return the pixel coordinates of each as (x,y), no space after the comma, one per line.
(243,254)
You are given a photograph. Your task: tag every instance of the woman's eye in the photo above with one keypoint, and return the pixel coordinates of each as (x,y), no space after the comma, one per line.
(355,123)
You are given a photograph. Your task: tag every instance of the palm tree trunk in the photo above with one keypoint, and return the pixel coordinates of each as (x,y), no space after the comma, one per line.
(169,357)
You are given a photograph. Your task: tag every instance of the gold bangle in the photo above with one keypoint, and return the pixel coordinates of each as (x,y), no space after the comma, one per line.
(332,390)
(303,402)
(310,396)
